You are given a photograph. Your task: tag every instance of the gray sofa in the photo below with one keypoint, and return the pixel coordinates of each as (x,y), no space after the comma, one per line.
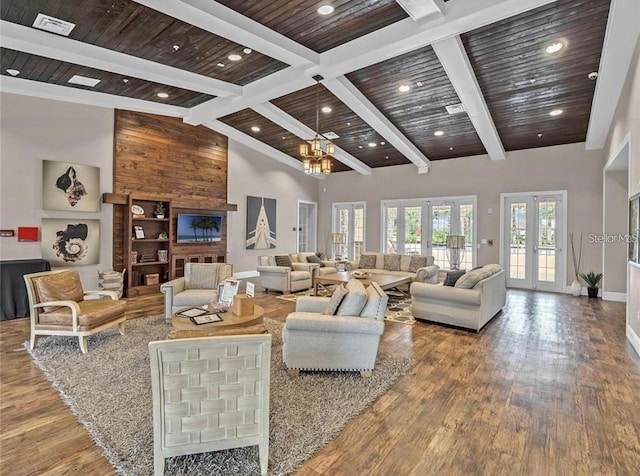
(418,267)
(346,341)
(474,300)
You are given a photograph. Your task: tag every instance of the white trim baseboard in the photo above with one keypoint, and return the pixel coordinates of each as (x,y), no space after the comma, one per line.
(246,274)
(633,339)
(618,297)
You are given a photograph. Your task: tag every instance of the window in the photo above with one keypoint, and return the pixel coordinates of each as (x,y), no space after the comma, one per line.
(349,220)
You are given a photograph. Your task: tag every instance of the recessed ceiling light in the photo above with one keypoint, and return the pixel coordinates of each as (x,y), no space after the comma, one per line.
(554,47)
(359,147)
(382,143)
(403,88)
(83,80)
(220,65)
(13,72)
(125,80)
(325,10)
(176,47)
(247,51)
(438,133)
(450,148)
(163,95)
(255,128)
(348,123)
(234,57)
(53,25)
(539,135)
(532,80)
(372,144)
(326,109)
(284,138)
(556,112)
(386,157)
(419,83)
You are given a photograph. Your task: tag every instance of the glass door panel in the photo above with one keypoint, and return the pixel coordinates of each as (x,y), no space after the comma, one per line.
(391,228)
(440,229)
(349,219)
(412,230)
(466,229)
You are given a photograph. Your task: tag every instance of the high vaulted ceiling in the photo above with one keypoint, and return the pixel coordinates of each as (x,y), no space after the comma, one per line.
(486,55)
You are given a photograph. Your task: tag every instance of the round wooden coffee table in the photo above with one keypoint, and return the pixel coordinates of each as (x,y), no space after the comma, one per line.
(227,325)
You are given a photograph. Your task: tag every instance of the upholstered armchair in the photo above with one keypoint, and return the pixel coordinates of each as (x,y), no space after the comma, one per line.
(210,394)
(347,340)
(58,306)
(285,277)
(198,286)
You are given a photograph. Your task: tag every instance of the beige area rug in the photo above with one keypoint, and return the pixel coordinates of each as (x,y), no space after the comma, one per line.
(109,392)
(398,308)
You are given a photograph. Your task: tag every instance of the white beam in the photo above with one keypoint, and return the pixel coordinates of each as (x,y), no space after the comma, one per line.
(420,10)
(273,86)
(290,123)
(622,35)
(36,42)
(227,23)
(27,87)
(254,143)
(344,90)
(407,35)
(455,62)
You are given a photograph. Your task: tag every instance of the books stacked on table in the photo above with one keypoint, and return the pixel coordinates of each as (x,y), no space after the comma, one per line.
(147,258)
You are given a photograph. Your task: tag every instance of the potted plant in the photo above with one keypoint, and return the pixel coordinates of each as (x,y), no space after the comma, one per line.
(592,280)
(159,210)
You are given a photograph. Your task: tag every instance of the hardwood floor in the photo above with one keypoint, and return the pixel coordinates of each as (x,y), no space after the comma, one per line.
(549,387)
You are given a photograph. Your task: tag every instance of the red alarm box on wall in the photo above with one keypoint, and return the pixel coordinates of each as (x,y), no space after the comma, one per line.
(27,233)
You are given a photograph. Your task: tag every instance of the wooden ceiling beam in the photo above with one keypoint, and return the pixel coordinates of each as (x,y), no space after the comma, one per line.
(622,34)
(420,10)
(344,90)
(455,62)
(36,42)
(225,22)
(253,143)
(27,87)
(290,123)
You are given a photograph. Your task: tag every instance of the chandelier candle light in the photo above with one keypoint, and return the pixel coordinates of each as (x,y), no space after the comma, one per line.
(317,160)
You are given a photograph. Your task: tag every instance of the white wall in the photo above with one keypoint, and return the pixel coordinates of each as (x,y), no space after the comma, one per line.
(566,167)
(33,130)
(252,173)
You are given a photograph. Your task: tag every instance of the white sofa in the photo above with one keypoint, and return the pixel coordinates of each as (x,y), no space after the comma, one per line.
(290,280)
(346,341)
(426,271)
(479,297)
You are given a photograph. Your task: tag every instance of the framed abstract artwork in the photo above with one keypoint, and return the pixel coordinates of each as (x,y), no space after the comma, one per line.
(67,186)
(70,242)
(261,223)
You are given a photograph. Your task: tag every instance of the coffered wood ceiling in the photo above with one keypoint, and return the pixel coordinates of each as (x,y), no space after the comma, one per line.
(487,54)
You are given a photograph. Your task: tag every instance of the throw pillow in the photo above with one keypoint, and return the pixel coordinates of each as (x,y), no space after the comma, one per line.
(416,263)
(392,262)
(201,276)
(367,261)
(354,301)
(336,298)
(453,276)
(470,279)
(284,260)
(315,259)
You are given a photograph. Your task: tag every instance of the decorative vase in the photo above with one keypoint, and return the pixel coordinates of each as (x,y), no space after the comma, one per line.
(576,287)
(592,292)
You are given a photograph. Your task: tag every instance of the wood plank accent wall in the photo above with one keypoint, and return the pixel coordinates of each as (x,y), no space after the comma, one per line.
(158,156)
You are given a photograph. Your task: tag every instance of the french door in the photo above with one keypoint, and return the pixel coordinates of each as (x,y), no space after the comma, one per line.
(307,226)
(533,230)
(348,220)
(412,227)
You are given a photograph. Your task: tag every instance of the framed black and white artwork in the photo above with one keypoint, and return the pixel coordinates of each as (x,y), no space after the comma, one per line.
(70,187)
(70,242)
(261,223)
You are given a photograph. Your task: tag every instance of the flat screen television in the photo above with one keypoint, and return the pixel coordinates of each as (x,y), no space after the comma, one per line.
(197,228)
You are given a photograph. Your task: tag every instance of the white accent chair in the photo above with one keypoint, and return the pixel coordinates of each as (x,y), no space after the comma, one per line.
(347,341)
(57,306)
(198,286)
(210,394)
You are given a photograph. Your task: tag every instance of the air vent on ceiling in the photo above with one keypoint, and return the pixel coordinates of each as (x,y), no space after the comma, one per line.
(455,108)
(53,25)
(330,135)
(83,80)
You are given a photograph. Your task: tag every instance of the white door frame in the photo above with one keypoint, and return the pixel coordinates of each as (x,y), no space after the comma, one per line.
(563,268)
(334,215)
(315,223)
